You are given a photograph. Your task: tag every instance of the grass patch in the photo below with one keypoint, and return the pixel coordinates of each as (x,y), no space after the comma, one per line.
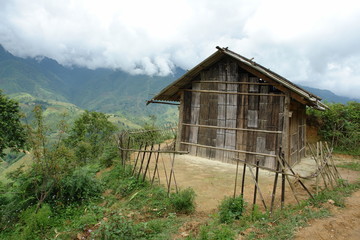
(355,166)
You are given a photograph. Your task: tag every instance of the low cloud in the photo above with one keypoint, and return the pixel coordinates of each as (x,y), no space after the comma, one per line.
(313,43)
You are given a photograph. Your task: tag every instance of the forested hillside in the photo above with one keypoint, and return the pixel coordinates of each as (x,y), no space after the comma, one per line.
(104,90)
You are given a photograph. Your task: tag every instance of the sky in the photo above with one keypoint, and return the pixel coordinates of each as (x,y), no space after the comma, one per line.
(314,43)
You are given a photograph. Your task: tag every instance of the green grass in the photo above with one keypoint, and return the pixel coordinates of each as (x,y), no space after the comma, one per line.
(355,166)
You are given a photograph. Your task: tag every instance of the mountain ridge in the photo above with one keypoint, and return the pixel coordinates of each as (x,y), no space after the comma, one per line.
(105,90)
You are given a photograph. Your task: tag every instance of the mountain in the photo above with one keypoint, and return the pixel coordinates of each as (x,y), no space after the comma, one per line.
(106,90)
(329,96)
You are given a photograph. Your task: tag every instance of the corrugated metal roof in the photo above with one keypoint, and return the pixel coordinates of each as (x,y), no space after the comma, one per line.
(171,92)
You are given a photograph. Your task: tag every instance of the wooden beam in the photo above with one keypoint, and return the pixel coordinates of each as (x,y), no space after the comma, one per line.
(235,93)
(229,128)
(228,82)
(229,150)
(181,119)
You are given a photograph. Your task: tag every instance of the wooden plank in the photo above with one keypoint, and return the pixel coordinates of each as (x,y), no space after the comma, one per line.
(252,118)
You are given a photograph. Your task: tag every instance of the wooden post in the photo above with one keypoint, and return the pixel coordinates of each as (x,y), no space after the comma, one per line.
(286,130)
(282,185)
(181,119)
(274,187)
(258,187)
(256,180)
(243,180)
(236,177)
(136,160)
(148,162)
(156,165)
(142,162)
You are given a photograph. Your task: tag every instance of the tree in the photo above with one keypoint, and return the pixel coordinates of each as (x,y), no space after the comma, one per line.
(91,132)
(12,132)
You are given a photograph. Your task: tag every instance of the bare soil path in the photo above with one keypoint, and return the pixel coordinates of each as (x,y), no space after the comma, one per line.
(343,225)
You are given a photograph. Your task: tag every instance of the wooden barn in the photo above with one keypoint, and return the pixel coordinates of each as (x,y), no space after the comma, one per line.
(232,108)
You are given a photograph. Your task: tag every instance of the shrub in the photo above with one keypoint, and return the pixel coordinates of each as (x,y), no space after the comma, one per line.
(79,186)
(183,201)
(217,232)
(119,227)
(36,223)
(231,208)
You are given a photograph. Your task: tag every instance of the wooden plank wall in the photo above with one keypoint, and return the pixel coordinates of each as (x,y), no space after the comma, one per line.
(297,131)
(254,110)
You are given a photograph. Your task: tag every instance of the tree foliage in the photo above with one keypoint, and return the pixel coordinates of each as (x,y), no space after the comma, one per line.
(339,125)
(12,132)
(91,133)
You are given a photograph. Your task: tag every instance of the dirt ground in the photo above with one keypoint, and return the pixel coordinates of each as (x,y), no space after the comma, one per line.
(213,180)
(343,225)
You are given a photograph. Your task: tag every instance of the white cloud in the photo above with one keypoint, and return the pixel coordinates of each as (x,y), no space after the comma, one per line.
(310,42)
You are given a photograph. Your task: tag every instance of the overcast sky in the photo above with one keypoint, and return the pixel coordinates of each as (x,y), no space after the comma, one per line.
(311,42)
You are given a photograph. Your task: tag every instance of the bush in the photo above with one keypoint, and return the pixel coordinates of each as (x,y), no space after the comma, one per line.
(231,208)
(79,186)
(36,223)
(217,232)
(339,125)
(119,227)
(183,201)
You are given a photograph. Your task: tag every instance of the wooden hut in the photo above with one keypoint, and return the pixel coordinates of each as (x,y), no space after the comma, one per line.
(233,108)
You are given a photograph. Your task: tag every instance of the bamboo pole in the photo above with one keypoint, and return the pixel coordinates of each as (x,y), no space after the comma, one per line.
(301,183)
(243,180)
(256,184)
(148,162)
(290,183)
(230,82)
(229,128)
(274,188)
(236,177)
(166,176)
(136,160)
(256,180)
(229,150)
(319,164)
(282,185)
(156,165)
(235,93)
(142,162)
